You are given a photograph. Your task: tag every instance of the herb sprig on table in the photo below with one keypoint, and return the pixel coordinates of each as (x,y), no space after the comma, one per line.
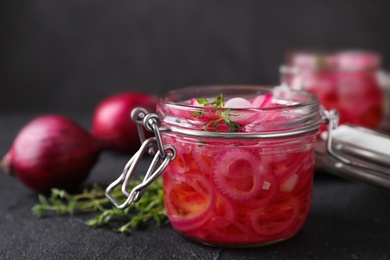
(93,200)
(224,114)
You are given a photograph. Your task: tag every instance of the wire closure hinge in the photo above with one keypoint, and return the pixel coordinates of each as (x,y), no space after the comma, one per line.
(332,118)
(154,146)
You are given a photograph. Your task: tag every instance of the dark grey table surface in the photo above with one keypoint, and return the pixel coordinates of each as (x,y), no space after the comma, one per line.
(347,220)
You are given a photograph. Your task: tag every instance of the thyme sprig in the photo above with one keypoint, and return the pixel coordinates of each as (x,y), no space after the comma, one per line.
(224,115)
(93,200)
(218,102)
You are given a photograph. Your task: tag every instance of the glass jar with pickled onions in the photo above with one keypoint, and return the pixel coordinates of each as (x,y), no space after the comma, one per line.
(242,175)
(344,80)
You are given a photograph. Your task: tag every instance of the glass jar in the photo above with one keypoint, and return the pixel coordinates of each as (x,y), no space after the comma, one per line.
(237,162)
(344,80)
(241,177)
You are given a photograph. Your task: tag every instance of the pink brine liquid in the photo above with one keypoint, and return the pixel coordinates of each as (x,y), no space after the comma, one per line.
(240,192)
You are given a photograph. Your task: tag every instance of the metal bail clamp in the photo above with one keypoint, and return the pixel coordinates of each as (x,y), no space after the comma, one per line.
(154,146)
(359,168)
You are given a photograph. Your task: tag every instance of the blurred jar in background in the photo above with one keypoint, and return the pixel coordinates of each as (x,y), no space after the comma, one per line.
(344,80)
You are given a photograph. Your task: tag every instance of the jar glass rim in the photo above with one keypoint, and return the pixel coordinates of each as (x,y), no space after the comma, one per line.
(177,113)
(178,97)
(350,60)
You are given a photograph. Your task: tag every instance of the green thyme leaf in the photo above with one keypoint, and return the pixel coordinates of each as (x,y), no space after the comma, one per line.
(219,101)
(202,101)
(43,200)
(93,200)
(224,115)
(198,114)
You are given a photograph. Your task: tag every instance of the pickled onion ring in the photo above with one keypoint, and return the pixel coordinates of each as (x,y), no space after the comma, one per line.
(183,162)
(236,174)
(238,102)
(289,184)
(189,200)
(287,165)
(224,208)
(203,155)
(276,218)
(269,189)
(263,100)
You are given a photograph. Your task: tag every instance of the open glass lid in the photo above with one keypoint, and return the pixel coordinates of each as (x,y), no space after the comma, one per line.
(355,153)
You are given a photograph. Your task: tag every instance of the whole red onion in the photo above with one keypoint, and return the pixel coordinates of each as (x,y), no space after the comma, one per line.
(52,151)
(112,123)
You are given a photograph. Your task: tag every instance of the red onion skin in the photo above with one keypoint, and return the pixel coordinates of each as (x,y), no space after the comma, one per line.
(112,123)
(52,151)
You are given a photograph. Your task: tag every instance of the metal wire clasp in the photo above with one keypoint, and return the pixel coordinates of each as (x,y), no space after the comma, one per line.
(332,117)
(163,154)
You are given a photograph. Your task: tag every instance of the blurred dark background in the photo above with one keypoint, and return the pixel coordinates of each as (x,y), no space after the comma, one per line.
(67,55)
